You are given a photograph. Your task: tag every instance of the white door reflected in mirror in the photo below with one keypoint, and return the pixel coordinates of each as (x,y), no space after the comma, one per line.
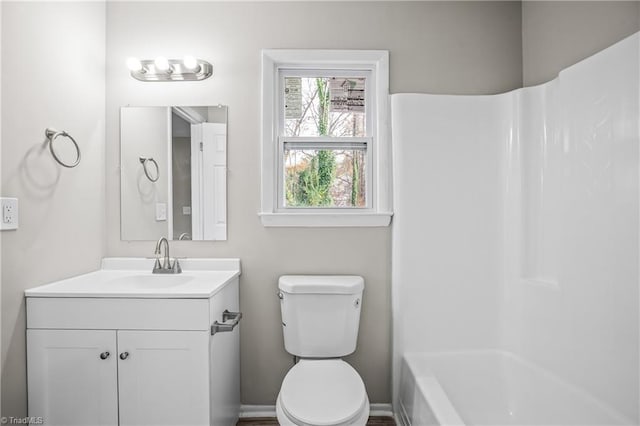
(185,149)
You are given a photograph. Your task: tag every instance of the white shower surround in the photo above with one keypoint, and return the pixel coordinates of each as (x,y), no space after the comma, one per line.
(516,227)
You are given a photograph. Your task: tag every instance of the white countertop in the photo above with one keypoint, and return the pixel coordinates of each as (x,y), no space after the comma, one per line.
(132,278)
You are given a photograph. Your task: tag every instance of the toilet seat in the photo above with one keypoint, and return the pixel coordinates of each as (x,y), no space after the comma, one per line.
(325,392)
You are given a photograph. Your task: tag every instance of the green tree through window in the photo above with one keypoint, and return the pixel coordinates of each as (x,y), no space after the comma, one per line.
(324,177)
(314,182)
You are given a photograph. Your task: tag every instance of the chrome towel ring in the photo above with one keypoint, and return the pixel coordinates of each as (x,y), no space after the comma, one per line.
(144,161)
(51,135)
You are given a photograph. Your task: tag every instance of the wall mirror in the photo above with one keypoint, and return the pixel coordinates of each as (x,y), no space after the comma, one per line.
(173,172)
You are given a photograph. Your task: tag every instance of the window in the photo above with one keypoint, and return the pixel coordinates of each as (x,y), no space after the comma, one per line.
(325,149)
(324,140)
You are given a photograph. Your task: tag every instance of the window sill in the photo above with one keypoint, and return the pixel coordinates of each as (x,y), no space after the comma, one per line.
(319,220)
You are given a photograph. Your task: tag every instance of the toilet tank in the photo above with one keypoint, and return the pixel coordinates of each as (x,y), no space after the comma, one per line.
(320,314)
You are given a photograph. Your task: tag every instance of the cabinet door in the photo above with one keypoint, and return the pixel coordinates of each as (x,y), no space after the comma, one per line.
(163,377)
(71,379)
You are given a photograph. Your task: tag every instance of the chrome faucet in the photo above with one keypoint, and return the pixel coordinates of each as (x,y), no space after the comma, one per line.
(166,267)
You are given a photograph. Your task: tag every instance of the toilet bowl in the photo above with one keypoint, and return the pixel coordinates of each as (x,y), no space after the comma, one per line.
(320,319)
(326,392)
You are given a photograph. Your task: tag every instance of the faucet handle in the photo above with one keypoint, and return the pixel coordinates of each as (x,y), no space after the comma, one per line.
(176,269)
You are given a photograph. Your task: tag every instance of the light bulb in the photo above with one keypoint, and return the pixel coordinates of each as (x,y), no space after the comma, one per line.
(161,63)
(134,64)
(190,63)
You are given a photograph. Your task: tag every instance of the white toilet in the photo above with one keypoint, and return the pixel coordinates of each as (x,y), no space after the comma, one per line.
(320,320)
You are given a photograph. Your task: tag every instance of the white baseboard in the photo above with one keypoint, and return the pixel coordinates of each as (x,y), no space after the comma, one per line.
(257,411)
(381,410)
(270,410)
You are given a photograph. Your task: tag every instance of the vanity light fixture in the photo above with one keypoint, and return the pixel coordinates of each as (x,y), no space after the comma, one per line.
(163,69)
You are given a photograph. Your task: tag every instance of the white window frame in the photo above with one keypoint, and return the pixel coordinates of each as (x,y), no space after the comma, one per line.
(373,63)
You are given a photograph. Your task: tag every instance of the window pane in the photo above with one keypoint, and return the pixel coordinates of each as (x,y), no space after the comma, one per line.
(324,106)
(325,178)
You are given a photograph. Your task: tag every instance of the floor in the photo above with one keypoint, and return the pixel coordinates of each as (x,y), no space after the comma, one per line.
(271,421)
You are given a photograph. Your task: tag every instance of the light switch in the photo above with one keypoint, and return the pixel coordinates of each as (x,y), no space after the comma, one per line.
(186,210)
(161,212)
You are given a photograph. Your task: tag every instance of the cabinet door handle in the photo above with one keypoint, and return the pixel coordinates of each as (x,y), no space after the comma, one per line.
(124,355)
(104,355)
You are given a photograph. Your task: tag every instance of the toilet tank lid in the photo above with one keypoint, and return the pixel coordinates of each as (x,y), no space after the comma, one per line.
(321,284)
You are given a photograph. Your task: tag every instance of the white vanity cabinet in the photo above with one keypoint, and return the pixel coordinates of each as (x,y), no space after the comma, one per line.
(116,360)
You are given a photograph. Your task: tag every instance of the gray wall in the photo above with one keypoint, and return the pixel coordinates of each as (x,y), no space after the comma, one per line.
(1,363)
(52,75)
(556,34)
(437,47)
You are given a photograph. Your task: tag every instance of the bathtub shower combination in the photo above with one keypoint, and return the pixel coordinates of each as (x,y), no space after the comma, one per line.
(515,251)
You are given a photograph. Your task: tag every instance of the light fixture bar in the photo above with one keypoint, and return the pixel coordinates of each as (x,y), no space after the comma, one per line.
(177,71)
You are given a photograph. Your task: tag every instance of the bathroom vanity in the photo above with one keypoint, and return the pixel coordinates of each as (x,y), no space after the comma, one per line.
(123,346)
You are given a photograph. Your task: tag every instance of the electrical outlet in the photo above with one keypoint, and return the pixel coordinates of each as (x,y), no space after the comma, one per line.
(9,211)
(161,212)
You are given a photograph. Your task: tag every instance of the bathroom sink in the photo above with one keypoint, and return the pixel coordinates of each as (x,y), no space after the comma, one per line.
(132,277)
(150,281)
